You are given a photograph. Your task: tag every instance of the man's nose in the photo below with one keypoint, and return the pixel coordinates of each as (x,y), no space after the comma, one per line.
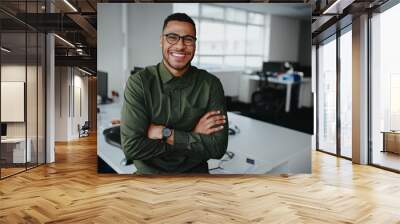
(180,43)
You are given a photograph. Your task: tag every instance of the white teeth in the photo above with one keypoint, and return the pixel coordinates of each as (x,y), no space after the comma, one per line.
(177,54)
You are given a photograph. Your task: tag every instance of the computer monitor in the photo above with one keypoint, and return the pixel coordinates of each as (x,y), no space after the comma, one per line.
(3,129)
(273,66)
(102,84)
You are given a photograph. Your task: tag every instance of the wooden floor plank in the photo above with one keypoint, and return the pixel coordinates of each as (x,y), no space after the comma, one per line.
(71,191)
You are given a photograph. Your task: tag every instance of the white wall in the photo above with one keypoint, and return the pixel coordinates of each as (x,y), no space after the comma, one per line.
(62,81)
(111,41)
(68,81)
(145,24)
(284,39)
(230,81)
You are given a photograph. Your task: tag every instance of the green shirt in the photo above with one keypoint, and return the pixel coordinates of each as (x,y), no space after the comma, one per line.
(155,96)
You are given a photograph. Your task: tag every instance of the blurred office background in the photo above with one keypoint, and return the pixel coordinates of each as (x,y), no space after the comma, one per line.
(260,52)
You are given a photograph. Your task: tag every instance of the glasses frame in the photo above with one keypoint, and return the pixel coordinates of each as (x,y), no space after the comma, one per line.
(179,38)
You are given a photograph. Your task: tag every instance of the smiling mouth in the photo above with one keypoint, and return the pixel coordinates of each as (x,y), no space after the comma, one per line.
(178,55)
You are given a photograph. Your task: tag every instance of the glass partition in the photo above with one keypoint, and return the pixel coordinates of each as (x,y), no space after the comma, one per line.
(346,94)
(22,87)
(327,96)
(13,94)
(385,89)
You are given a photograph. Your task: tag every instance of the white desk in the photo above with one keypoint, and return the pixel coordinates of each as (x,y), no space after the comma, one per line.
(274,149)
(18,150)
(247,88)
(112,155)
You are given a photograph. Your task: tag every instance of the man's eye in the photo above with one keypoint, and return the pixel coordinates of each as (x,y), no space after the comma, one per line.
(173,36)
(188,39)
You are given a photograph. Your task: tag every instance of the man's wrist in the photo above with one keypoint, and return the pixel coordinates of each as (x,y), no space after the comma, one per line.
(170,139)
(161,132)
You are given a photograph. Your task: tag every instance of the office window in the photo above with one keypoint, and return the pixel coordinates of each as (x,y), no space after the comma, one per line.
(346,94)
(235,38)
(385,88)
(254,62)
(211,39)
(256,18)
(192,9)
(327,96)
(211,62)
(255,39)
(235,61)
(236,15)
(213,12)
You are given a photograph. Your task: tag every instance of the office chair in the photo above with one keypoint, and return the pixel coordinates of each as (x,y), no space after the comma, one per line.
(112,136)
(269,98)
(84,130)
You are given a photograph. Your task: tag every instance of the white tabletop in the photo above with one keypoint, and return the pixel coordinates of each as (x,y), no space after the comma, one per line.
(13,140)
(273,148)
(269,146)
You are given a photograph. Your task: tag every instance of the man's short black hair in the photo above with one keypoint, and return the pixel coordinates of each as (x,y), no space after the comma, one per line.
(183,17)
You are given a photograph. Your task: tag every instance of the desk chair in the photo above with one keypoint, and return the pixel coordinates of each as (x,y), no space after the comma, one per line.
(84,130)
(113,137)
(269,98)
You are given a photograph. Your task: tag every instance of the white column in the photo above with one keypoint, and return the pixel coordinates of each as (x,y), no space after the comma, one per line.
(360,90)
(50,99)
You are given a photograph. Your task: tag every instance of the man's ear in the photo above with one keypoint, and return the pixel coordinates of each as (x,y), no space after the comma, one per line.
(161,39)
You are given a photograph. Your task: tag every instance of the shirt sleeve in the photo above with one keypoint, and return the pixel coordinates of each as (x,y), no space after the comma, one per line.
(135,121)
(201,146)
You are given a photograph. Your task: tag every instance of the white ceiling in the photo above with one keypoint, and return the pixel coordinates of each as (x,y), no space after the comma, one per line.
(295,10)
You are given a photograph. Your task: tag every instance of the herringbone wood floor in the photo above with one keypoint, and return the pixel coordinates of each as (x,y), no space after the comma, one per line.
(70,191)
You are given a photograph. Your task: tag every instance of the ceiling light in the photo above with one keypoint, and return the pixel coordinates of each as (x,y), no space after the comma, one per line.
(70,5)
(338,6)
(5,49)
(86,72)
(65,41)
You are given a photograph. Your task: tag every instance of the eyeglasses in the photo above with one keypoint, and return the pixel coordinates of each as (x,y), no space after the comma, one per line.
(174,38)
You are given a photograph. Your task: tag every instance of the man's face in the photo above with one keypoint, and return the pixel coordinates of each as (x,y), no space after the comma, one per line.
(178,56)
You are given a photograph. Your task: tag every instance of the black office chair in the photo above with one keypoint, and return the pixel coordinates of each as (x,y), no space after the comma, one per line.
(113,137)
(84,130)
(269,98)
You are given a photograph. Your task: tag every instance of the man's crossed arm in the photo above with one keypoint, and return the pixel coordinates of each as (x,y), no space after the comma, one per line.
(209,123)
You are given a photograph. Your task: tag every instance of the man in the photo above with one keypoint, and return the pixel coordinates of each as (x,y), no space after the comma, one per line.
(174,115)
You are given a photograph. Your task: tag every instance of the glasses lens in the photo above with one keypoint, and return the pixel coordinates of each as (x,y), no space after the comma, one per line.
(188,40)
(172,38)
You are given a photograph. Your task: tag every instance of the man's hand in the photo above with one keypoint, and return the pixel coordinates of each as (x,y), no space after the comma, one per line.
(155,131)
(210,123)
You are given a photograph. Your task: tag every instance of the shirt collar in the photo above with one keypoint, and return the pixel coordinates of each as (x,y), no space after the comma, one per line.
(166,75)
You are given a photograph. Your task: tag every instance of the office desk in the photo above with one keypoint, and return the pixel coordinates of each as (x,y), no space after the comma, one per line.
(274,149)
(262,148)
(112,155)
(17,150)
(247,88)
(391,141)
